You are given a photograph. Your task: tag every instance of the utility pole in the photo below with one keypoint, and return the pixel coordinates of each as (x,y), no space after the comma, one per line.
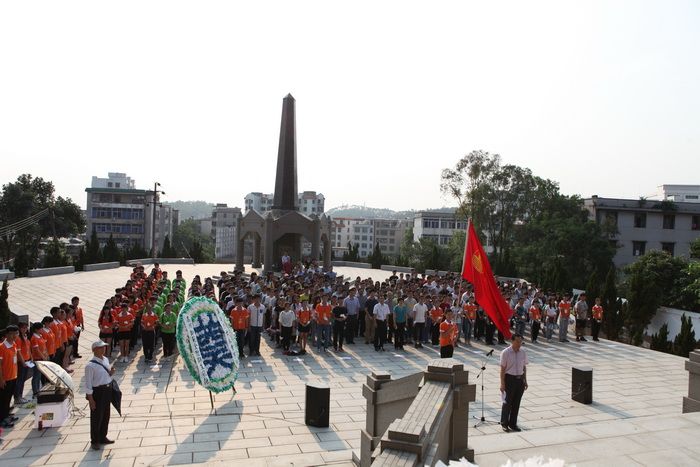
(153,218)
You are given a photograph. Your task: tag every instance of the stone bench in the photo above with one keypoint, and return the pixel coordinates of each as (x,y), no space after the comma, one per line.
(101,266)
(43,272)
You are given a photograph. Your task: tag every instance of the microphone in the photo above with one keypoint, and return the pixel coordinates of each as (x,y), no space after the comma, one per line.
(490,353)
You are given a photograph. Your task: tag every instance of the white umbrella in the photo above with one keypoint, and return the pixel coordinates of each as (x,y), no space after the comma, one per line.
(56,375)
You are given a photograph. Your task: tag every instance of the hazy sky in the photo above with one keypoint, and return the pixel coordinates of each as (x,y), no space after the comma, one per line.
(603,97)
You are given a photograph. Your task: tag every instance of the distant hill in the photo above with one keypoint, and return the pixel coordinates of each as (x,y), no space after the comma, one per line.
(374,213)
(193,209)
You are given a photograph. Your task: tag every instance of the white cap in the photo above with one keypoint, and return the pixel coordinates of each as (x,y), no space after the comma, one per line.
(99,343)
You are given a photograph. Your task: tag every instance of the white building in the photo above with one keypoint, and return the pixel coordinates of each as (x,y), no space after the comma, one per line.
(114,180)
(223,230)
(308,202)
(437,225)
(366,233)
(680,193)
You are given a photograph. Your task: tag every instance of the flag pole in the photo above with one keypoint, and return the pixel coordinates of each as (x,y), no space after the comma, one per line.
(461,279)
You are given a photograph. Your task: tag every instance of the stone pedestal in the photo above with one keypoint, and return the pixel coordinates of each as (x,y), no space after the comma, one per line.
(692,402)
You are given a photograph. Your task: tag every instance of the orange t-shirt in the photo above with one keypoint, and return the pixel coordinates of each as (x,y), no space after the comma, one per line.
(50,339)
(106,325)
(323,313)
(79,317)
(597,312)
(471,311)
(38,347)
(304,316)
(436,314)
(69,326)
(58,332)
(565,309)
(148,321)
(535,313)
(9,361)
(239,319)
(125,322)
(448,328)
(24,348)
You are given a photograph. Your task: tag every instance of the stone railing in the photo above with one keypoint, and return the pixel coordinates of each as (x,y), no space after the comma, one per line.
(404,269)
(411,425)
(43,272)
(352,264)
(6,274)
(101,266)
(145,261)
(692,402)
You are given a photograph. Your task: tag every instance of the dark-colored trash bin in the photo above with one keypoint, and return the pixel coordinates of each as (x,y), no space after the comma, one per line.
(582,384)
(318,403)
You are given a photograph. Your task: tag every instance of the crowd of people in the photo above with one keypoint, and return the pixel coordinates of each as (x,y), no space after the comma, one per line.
(55,338)
(302,307)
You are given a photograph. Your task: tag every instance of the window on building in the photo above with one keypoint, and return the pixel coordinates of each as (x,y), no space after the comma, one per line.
(109,184)
(363,245)
(668,247)
(364,237)
(640,220)
(444,240)
(117,199)
(695,223)
(447,224)
(356,237)
(611,218)
(392,241)
(691,196)
(117,184)
(364,229)
(382,247)
(638,248)
(391,248)
(669,221)
(431,223)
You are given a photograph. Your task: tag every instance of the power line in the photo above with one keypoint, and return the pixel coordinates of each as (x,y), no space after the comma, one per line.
(24,223)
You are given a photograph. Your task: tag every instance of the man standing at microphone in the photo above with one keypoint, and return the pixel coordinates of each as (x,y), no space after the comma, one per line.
(513,383)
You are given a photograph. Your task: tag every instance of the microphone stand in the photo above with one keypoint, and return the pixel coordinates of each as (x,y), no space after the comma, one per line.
(482,369)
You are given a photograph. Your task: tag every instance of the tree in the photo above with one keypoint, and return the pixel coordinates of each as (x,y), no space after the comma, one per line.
(93,253)
(353,253)
(186,235)
(376,259)
(111,252)
(593,289)
(55,255)
(167,251)
(497,197)
(660,341)
(612,311)
(27,197)
(82,259)
(455,250)
(4,306)
(684,343)
(695,248)
(650,280)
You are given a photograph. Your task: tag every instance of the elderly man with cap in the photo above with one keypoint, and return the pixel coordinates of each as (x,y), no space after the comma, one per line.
(98,390)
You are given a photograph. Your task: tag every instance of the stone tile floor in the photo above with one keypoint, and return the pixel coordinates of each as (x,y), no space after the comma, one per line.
(168,419)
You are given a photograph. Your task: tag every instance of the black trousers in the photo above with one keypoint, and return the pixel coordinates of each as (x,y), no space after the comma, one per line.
(515,387)
(240,341)
(99,418)
(6,394)
(435,333)
(286,337)
(418,332)
(380,335)
(488,336)
(399,338)
(535,330)
(446,351)
(338,334)
(351,328)
(168,343)
(595,328)
(149,343)
(361,323)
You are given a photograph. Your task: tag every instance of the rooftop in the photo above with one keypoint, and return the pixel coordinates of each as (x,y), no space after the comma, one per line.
(635,418)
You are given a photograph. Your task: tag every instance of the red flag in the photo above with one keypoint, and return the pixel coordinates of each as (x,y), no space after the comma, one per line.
(477,270)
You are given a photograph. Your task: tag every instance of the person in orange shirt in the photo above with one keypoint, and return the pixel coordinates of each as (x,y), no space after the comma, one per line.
(80,322)
(535,316)
(10,358)
(149,320)
(597,312)
(39,353)
(23,371)
(240,321)
(323,324)
(468,319)
(448,335)
(68,318)
(435,318)
(564,313)
(106,324)
(49,337)
(125,322)
(304,324)
(59,336)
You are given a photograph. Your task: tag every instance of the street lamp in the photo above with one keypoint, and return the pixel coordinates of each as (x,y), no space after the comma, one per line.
(153,217)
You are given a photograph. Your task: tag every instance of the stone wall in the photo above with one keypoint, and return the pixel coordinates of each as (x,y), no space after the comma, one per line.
(692,402)
(50,271)
(100,266)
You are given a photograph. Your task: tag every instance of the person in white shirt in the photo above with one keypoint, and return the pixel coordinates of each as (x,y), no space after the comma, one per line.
(381,313)
(287,318)
(98,390)
(257,321)
(420,310)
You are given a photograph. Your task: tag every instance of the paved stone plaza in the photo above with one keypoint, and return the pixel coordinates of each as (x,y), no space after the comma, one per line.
(635,418)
